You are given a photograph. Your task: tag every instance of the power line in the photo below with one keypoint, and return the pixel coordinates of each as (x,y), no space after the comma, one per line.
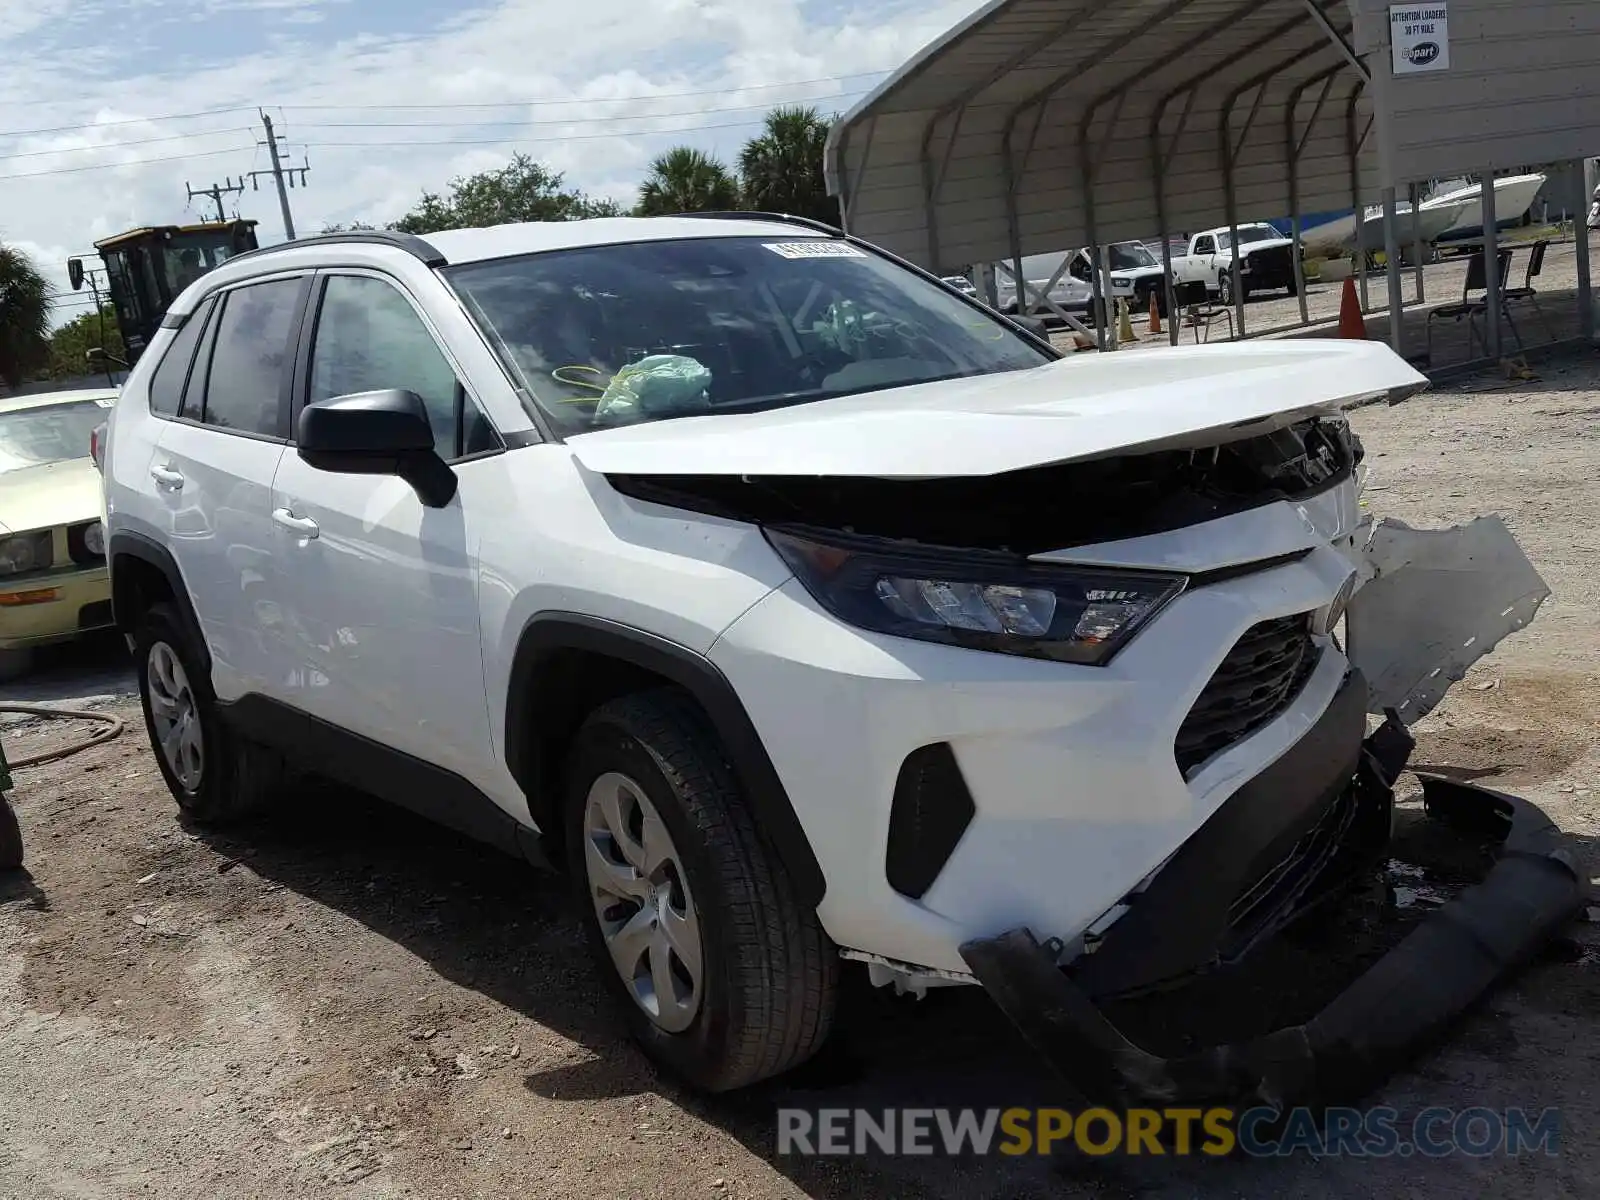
(574,137)
(553,121)
(209,112)
(171,137)
(723,91)
(132,162)
(234,108)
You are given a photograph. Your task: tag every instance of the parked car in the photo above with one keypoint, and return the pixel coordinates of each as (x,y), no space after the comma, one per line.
(803,610)
(1266,261)
(53,582)
(961,284)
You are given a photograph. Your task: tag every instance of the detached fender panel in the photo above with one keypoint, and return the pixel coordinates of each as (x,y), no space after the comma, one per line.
(1433,602)
(551,632)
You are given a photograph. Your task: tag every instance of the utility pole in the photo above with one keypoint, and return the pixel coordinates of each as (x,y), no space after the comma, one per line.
(279,174)
(216,193)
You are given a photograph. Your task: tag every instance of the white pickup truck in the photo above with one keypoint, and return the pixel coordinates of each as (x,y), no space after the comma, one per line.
(1135,274)
(1267,261)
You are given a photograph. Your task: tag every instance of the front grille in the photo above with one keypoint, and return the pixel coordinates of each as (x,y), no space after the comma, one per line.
(1258,679)
(1275,261)
(1278,889)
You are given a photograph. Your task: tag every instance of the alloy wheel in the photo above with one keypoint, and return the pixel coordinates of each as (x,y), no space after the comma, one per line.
(642,900)
(174,714)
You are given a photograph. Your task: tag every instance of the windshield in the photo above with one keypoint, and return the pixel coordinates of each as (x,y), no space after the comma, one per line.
(190,255)
(54,433)
(1248,234)
(611,335)
(1129,256)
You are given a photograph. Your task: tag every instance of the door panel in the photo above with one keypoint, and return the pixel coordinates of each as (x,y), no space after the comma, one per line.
(213,473)
(382,609)
(217,492)
(381,596)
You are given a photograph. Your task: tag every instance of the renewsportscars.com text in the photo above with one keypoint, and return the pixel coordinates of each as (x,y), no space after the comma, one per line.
(1214,1132)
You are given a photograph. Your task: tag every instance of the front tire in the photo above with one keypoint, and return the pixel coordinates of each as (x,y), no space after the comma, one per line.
(216,776)
(1225,288)
(725,977)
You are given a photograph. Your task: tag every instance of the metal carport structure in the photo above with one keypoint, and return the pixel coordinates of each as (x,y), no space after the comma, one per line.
(1043,125)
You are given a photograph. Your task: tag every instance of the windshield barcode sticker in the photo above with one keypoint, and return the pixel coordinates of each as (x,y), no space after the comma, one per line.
(817,248)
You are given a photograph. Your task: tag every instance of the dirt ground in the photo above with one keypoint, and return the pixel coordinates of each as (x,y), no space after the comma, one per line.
(346,1002)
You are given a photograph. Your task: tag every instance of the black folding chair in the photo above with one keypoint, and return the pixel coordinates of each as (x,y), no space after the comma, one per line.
(1194,301)
(1527,293)
(1472,307)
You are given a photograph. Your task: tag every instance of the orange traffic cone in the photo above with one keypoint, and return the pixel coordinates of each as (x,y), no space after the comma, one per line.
(1351,322)
(1155,314)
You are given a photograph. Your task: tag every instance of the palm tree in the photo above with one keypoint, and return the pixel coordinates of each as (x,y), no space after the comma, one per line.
(687,180)
(24,317)
(782,168)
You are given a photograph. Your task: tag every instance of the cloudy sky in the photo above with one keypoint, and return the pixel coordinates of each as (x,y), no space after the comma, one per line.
(108,108)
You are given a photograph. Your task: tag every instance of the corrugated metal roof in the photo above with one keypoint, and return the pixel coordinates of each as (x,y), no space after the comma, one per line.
(985,145)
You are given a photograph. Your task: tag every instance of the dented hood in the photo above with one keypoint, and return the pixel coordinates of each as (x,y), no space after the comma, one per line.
(1081,407)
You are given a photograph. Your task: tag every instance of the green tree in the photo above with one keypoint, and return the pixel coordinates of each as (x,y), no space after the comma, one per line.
(781,170)
(70,345)
(687,180)
(24,317)
(522,190)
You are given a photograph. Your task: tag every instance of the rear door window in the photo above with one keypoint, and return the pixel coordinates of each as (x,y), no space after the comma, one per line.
(245,389)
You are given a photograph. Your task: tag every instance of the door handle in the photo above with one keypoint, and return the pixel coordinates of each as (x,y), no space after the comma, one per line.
(167,477)
(303,526)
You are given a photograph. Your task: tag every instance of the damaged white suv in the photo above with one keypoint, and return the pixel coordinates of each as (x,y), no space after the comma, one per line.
(805,610)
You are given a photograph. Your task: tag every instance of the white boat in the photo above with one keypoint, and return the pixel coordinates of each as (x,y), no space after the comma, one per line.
(1513,196)
(1340,233)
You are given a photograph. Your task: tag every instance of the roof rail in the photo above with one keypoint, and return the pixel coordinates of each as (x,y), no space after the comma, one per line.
(748,215)
(413,245)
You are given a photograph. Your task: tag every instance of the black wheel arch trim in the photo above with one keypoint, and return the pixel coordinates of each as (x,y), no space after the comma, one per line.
(549,632)
(125,543)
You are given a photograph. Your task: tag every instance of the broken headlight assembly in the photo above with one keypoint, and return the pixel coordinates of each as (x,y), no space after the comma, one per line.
(983,602)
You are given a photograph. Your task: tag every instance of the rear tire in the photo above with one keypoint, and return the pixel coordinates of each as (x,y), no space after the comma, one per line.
(762,998)
(216,776)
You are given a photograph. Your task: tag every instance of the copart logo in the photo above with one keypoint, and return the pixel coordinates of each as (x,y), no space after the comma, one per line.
(1422,53)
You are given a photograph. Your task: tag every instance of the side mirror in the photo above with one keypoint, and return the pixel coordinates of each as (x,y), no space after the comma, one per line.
(377,433)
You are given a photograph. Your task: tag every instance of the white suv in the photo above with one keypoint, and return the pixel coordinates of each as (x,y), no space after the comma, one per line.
(800,606)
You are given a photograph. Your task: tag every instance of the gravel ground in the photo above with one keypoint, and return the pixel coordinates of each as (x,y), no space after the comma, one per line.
(346,1002)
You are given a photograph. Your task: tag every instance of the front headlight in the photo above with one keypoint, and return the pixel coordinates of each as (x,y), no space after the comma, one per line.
(94,539)
(983,602)
(27,552)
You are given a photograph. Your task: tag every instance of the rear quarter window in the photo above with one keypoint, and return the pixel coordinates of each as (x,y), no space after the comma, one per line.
(172,372)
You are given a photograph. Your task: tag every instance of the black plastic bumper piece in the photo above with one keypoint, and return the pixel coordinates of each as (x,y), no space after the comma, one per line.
(1396,1007)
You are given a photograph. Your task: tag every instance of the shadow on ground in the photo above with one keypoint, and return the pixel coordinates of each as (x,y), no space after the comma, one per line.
(92,667)
(488,923)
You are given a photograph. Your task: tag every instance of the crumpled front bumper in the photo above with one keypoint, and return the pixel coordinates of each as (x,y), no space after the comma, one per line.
(1395,1007)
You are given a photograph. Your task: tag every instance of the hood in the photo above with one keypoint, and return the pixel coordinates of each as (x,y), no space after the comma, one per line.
(1081,407)
(1138,272)
(52,494)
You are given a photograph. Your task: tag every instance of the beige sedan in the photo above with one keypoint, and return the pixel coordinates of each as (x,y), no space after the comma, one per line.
(53,580)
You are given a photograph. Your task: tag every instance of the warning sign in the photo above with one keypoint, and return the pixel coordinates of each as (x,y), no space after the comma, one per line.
(1420,36)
